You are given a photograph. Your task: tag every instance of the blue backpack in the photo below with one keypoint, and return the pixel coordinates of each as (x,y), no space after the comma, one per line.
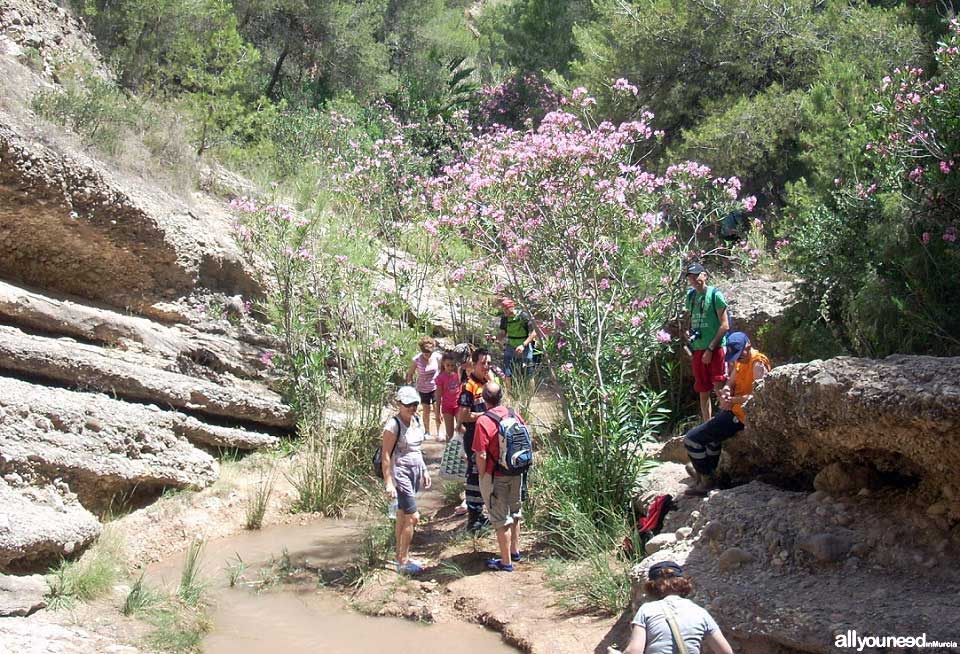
(516,446)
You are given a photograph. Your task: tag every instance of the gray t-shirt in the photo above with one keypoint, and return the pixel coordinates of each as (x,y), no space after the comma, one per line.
(409,441)
(694,623)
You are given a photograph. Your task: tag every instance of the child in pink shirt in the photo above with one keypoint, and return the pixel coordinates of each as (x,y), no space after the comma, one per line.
(448,390)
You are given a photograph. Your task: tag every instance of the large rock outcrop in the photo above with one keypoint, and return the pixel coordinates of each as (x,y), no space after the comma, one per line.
(786,571)
(39,524)
(898,416)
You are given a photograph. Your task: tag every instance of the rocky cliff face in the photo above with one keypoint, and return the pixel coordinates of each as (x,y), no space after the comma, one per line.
(114,381)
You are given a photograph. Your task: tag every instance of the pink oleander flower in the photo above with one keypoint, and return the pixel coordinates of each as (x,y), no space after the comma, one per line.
(749,203)
(266,357)
(664,336)
(623,86)
(604,283)
(636,321)
(379,343)
(566,368)
(925,238)
(946,167)
(457,275)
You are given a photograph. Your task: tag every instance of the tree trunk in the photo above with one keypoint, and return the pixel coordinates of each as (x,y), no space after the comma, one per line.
(276,72)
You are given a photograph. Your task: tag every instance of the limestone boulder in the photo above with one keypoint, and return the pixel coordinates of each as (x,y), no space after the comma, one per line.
(22,595)
(784,571)
(40,525)
(758,303)
(895,419)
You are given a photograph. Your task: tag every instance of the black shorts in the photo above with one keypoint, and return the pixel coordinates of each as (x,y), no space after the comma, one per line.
(427,398)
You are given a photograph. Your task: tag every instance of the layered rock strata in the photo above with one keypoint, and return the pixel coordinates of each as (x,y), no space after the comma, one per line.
(135,377)
(99,446)
(38,312)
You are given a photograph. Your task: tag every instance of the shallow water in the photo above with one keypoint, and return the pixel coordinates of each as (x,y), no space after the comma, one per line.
(299,619)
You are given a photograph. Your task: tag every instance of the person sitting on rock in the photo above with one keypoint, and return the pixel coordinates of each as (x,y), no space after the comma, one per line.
(746,365)
(660,624)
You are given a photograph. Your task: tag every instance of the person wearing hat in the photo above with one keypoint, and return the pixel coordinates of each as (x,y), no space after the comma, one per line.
(745,366)
(404,471)
(708,326)
(518,334)
(672,623)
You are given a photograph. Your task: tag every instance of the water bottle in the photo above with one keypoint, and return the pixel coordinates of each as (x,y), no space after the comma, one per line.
(392,511)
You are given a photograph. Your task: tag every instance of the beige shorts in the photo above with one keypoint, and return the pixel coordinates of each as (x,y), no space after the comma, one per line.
(504,504)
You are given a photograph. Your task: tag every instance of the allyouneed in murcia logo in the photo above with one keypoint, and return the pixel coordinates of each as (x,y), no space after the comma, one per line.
(852,640)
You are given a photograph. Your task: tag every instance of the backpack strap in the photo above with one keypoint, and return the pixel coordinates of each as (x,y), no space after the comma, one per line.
(679,646)
(397,440)
(493,416)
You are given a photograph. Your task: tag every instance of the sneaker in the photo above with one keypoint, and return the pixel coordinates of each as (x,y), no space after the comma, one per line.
(409,568)
(441,438)
(462,509)
(499,566)
(516,557)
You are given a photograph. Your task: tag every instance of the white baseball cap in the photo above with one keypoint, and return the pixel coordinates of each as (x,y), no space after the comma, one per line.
(407,395)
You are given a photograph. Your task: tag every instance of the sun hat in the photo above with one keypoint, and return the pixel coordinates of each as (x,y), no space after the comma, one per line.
(736,343)
(407,395)
(664,569)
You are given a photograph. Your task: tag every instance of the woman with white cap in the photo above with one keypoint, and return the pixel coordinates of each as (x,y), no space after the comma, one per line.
(672,624)
(404,471)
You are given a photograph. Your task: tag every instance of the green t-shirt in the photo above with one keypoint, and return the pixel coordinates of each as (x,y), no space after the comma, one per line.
(517,328)
(703,309)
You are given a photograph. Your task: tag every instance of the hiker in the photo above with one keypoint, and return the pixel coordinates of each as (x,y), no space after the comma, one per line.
(517,334)
(448,394)
(426,367)
(500,484)
(463,353)
(708,326)
(746,365)
(659,625)
(404,471)
(472,407)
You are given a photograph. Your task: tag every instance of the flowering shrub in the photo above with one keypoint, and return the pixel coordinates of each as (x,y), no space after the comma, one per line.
(878,256)
(325,306)
(516,100)
(564,217)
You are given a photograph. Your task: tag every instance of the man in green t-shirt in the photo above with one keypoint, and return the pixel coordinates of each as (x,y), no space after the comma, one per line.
(518,333)
(708,326)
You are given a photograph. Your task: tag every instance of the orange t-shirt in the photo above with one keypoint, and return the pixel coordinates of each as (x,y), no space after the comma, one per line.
(743,378)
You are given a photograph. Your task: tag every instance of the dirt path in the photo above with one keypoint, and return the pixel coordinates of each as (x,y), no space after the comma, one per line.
(457,586)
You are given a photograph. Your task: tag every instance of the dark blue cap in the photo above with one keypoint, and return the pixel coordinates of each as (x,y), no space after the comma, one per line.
(664,569)
(736,341)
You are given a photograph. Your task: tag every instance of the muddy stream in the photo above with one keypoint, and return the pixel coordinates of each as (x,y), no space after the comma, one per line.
(304,617)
